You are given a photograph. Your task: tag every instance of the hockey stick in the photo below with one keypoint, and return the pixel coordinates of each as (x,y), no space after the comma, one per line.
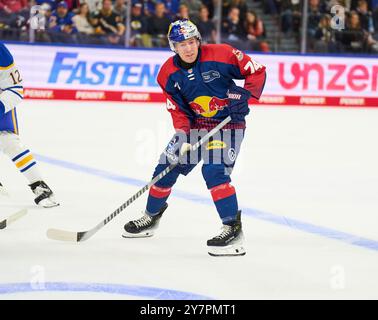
(12,218)
(71,236)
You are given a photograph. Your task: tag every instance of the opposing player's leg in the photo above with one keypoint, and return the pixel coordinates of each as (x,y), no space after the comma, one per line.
(216,172)
(23,159)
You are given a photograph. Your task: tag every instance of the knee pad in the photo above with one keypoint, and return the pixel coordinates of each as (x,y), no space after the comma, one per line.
(215,174)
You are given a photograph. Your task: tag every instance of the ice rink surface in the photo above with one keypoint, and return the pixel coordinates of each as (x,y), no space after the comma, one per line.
(306,178)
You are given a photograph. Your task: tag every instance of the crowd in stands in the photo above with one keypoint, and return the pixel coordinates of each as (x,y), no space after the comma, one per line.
(104,22)
(355,32)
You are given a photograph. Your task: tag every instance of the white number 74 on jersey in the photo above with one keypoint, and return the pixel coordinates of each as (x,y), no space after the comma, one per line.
(253,65)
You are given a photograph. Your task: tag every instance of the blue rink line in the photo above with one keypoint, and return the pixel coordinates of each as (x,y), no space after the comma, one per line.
(273,218)
(119,289)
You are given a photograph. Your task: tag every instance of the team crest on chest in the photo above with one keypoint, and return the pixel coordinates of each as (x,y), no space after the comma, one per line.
(210,75)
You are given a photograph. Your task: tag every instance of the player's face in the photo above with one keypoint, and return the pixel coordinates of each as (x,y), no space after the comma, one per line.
(188,50)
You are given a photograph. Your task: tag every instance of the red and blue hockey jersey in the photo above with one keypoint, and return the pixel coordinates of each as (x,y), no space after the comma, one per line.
(196,97)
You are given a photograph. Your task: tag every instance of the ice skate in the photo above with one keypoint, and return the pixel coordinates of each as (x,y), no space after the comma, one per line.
(144,226)
(229,242)
(44,196)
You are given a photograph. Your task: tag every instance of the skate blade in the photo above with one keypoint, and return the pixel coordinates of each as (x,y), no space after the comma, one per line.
(138,235)
(48,203)
(226,251)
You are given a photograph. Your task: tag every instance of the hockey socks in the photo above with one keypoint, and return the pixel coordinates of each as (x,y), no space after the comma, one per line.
(157,198)
(22,158)
(26,163)
(225,200)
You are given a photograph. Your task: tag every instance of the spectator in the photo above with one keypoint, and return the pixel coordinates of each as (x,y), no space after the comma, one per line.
(255,32)
(209,4)
(120,9)
(291,16)
(149,7)
(324,38)
(353,38)
(18,24)
(194,7)
(233,31)
(206,27)
(81,20)
(95,6)
(171,8)
(365,16)
(108,24)
(43,35)
(138,24)
(375,19)
(315,12)
(9,9)
(158,25)
(183,12)
(61,26)
(240,4)
(46,10)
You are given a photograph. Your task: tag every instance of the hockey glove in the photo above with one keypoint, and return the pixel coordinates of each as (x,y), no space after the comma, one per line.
(238,103)
(177,147)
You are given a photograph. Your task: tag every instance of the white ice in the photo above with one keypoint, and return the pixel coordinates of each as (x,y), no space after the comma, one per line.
(313,165)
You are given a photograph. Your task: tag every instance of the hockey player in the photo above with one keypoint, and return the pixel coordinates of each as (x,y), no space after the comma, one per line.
(11,94)
(200,91)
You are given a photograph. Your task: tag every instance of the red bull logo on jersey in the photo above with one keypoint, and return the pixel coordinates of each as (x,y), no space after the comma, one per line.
(208,106)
